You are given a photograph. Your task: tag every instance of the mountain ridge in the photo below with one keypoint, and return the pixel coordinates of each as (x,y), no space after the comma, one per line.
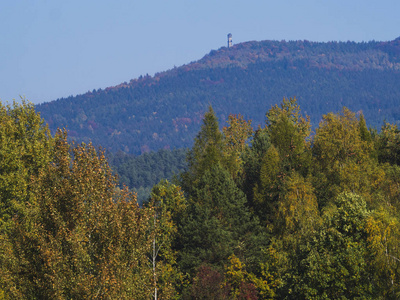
(165,110)
(236,51)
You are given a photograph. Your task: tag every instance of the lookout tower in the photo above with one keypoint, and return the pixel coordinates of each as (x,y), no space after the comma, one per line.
(229,40)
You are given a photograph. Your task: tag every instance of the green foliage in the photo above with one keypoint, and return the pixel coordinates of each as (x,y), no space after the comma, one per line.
(388,144)
(364,132)
(236,136)
(81,238)
(288,154)
(169,204)
(253,157)
(332,263)
(218,223)
(164,111)
(239,280)
(297,211)
(343,160)
(383,231)
(25,149)
(328,204)
(141,173)
(338,139)
(288,131)
(266,192)
(207,152)
(208,145)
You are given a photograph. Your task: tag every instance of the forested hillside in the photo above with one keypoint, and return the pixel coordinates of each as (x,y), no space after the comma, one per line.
(165,111)
(140,173)
(271,213)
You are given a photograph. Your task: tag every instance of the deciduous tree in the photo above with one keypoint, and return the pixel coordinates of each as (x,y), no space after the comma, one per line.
(169,205)
(236,136)
(81,237)
(25,149)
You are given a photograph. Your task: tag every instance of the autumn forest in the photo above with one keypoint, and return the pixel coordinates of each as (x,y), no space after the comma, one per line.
(283,211)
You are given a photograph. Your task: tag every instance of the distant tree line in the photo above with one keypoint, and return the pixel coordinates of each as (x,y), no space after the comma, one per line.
(141,172)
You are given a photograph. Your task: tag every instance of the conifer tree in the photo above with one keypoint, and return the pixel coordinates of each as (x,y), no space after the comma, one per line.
(208,146)
(364,132)
(266,191)
(253,158)
(217,222)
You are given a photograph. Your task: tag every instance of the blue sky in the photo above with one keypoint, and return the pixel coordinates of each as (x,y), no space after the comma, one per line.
(51,49)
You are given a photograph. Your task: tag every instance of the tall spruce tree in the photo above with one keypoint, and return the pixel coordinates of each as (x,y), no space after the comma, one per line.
(217,222)
(253,158)
(208,147)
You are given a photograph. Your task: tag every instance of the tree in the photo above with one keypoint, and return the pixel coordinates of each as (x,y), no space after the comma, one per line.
(25,149)
(332,263)
(289,154)
(208,146)
(218,224)
(208,284)
(81,237)
(338,139)
(235,140)
(266,192)
(253,158)
(364,132)
(169,205)
(342,158)
(383,231)
(239,280)
(298,212)
(288,131)
(388,144)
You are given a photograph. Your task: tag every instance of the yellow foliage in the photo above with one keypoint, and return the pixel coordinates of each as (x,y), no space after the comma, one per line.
(269,281)
(383,231)
(234,272)
(298,210)
(266,284)
(235,137)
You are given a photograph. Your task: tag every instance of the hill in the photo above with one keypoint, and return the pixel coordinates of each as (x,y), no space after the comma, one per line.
(141,172)
(165,111)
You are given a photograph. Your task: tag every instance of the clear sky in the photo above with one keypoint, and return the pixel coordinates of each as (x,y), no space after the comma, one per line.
(51,49)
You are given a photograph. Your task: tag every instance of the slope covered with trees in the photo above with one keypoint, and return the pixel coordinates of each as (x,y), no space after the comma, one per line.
(275,213)
(165,111)
(141,172)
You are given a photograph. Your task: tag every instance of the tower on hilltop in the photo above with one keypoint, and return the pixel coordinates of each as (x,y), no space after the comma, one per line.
(229,40)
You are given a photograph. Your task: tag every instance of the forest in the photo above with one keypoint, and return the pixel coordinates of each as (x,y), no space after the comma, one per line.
(165,111)
(279,212)
(141,172)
